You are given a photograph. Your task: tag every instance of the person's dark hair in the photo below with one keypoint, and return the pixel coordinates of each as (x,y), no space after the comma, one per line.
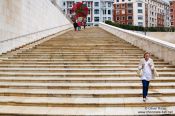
(145,54)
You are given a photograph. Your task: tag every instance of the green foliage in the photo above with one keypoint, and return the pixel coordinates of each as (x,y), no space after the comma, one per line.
(139,28)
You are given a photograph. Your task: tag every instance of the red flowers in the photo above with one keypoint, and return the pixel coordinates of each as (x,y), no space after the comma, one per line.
(80,9)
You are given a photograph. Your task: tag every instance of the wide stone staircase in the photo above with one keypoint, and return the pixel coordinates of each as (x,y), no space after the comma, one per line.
(90,72)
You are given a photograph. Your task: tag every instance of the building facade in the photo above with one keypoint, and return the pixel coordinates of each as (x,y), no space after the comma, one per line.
(99,10)
(172,13)
(146,13)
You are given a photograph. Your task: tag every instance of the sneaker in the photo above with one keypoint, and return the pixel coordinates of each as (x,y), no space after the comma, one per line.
(144,99)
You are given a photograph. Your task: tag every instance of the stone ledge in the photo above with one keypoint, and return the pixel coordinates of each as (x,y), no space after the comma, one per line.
(161,49)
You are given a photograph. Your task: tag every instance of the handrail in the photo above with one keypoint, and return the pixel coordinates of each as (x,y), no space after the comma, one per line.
(32,33)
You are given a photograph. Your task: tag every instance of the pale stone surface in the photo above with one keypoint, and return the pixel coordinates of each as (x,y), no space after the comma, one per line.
(165,36)
(91,88)
(21,17)
(162,49)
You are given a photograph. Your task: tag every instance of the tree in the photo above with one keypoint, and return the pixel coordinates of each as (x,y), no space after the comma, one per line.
(80,10)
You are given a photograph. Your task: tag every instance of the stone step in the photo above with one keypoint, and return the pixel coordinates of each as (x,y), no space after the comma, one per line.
(79,59)
(82,93)
(70,74)
(79,111)
(79,53)
(79,69)
(87,47)
(55,43)
(114,50)
(104,47)
(78,66)
(82,69)
(84,74)
(87,85)
(83,80)
(90,50)
(85,102)
(119,74)
(121,55)
(80,63)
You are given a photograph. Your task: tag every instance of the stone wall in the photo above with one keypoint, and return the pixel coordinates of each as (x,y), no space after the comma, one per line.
(165,36)
(25,21)
(162,49)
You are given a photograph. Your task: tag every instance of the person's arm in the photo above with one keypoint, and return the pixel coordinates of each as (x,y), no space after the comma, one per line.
(140,65)
(152,64)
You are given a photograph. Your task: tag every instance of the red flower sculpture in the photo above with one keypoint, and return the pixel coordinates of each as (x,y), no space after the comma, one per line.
(80,9)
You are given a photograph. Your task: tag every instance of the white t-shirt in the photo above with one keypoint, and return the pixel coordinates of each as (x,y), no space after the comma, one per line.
(147,73)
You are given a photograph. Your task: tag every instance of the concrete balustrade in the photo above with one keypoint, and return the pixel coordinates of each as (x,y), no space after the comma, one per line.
(25,21)
(161,49)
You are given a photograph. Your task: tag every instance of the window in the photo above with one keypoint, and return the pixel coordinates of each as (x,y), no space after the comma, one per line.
(140,17)
(89,4)
(109,18)
(96,3)
(96,11)
(118,6)
(118,18)
(171,10)
(140,11)
(129,11)
(70,5)
(139,4)
(64,3)
(123,5)
(118,11)
(89,12)
(117,0)
(130,5)
(123,18)
(123,11)
(109,12)
(129,23)
(104,11)
(96,19)
(70,11)
(89,19)
(123,0)
(109,4)
(140,23)
(171,23)
(104,19)
(129,17)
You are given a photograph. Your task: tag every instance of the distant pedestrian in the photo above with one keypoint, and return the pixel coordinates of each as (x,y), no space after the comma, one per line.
(84,24)
(147,72)
(75,25)
(79,25)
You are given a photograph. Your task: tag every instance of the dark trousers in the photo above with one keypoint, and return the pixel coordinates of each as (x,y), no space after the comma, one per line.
(145,88)
(75,28)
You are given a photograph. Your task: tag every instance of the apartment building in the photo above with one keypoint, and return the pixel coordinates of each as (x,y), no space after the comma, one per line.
(172,12)
(146,13)
(99,10)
